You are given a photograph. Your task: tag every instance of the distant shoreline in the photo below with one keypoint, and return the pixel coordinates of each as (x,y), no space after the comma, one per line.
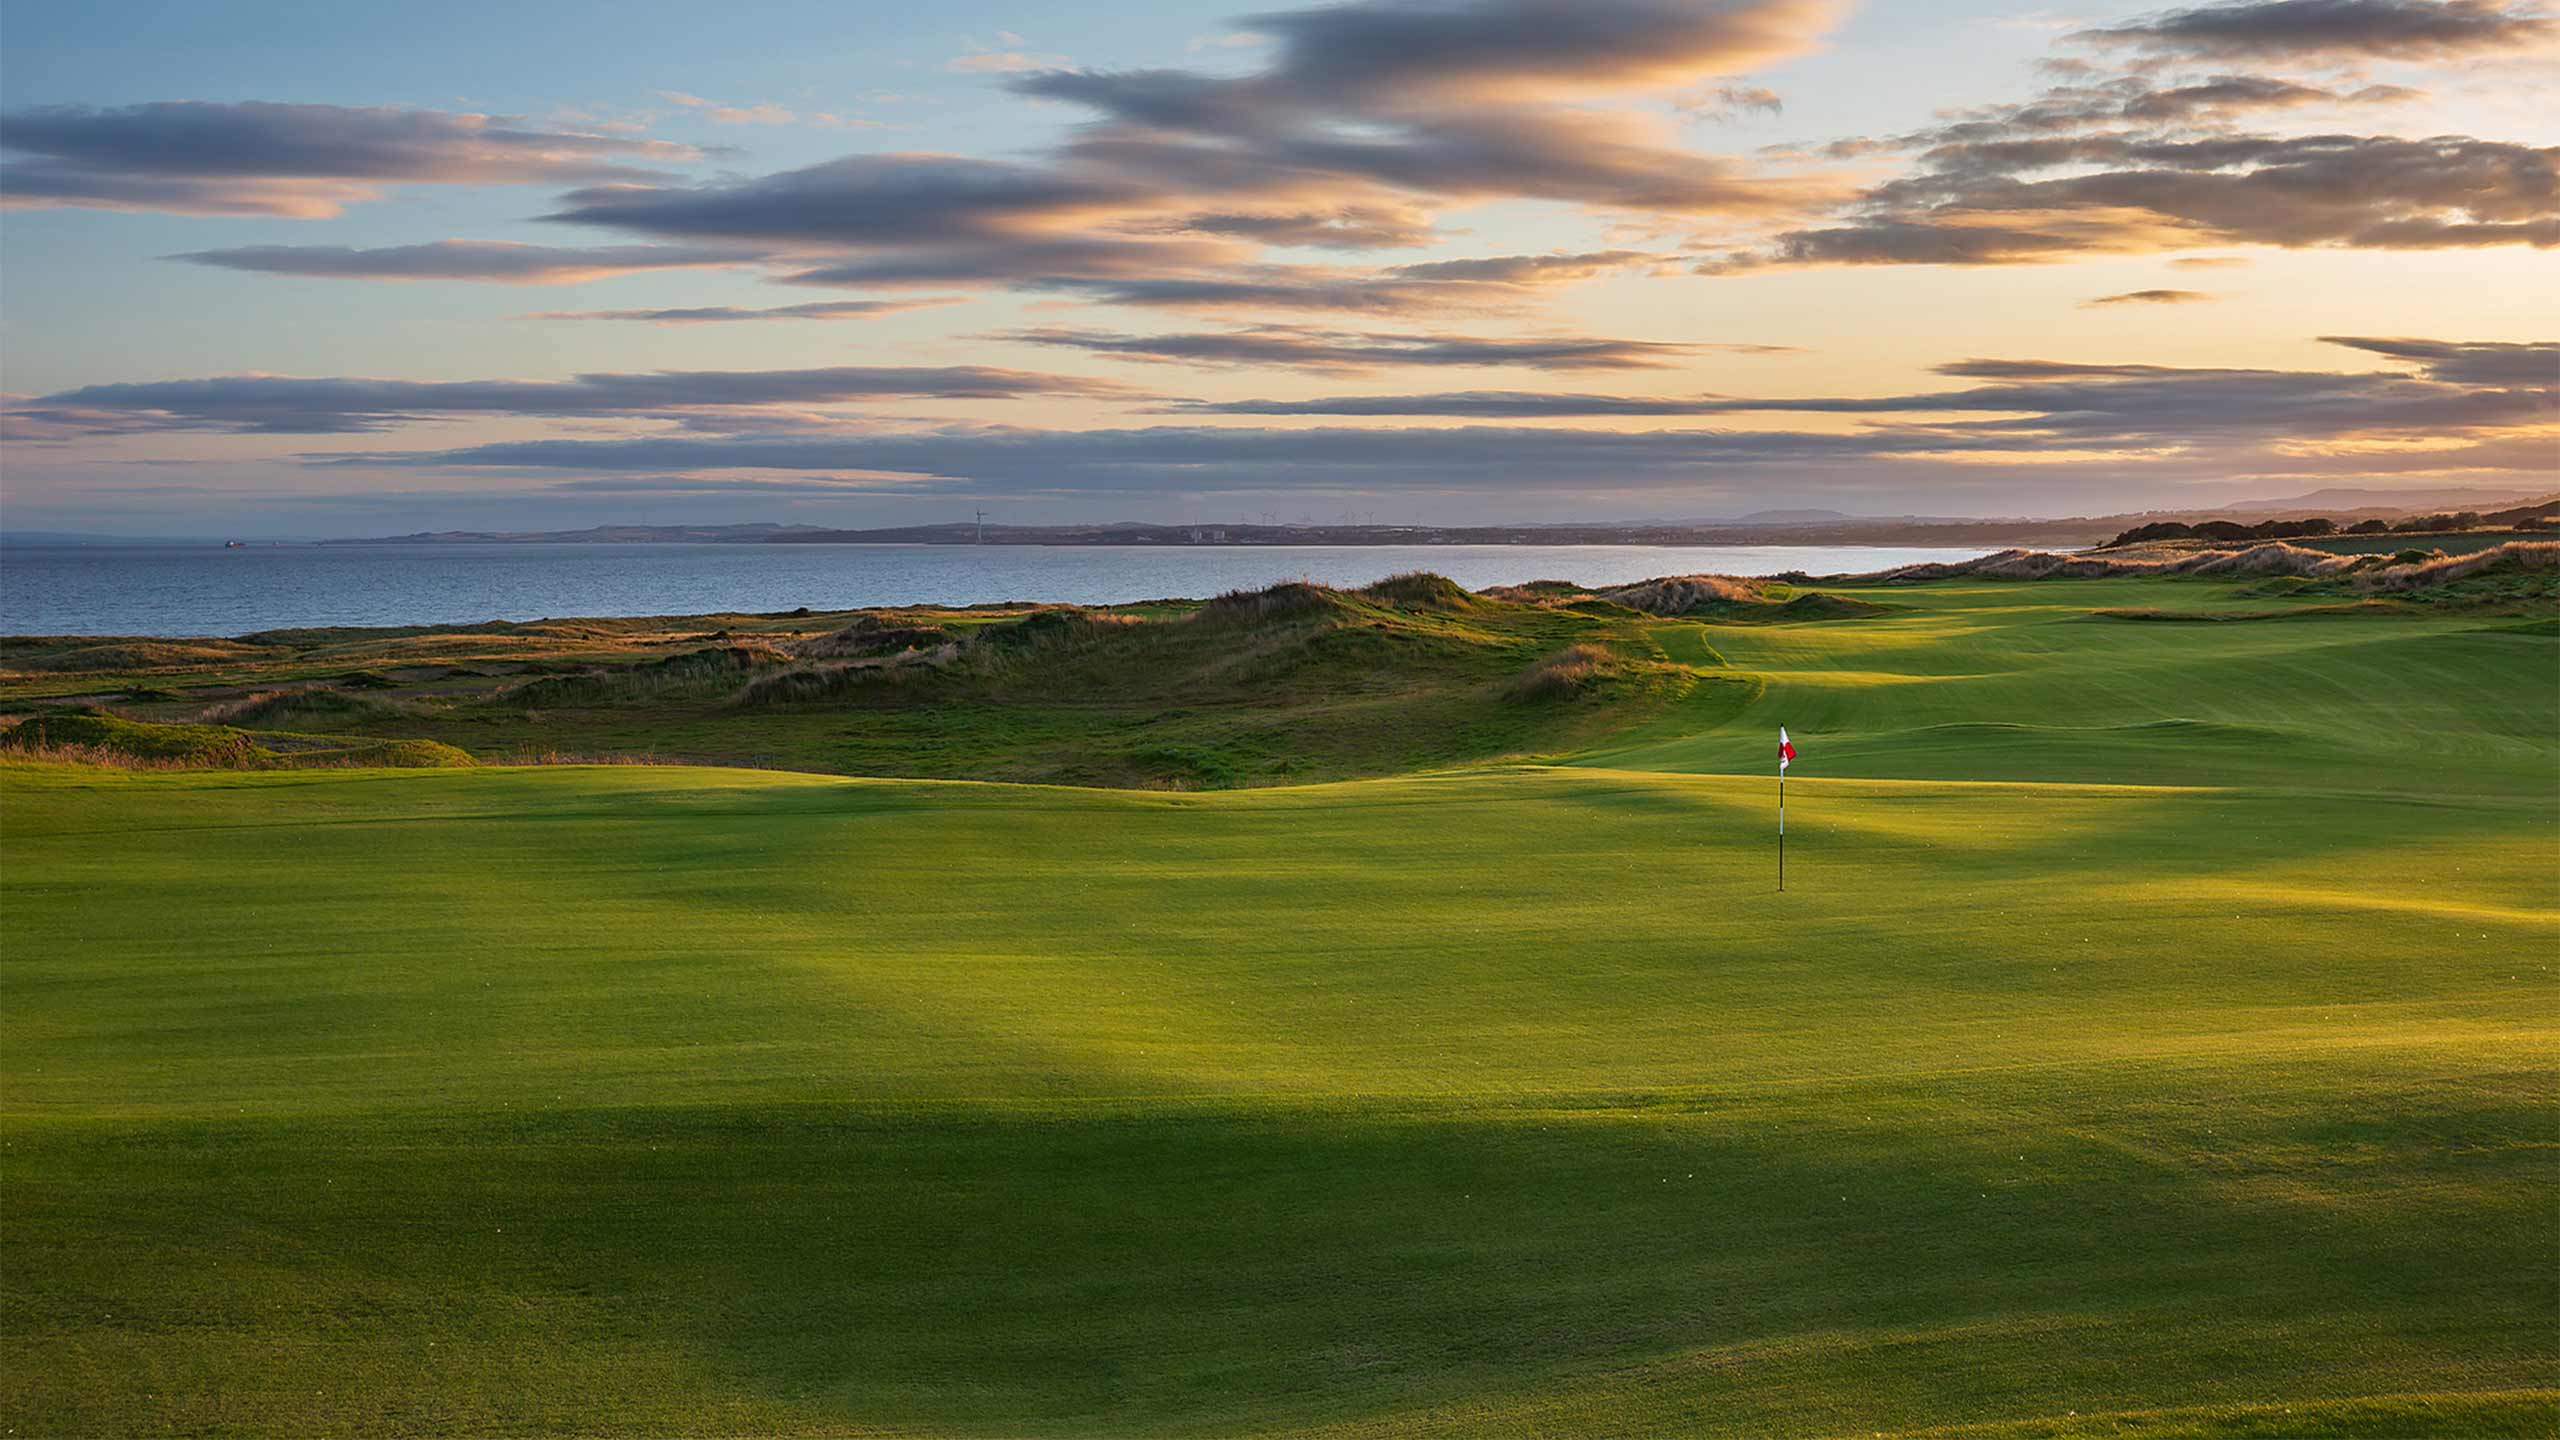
(1995,533)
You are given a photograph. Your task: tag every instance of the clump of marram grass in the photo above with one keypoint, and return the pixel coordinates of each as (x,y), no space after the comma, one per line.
(1420,590)
(1682,594)
(700,672)
(815,684)
(2275,558)
(1725,597)
(2514,557)
(97,738)
(286,708)
(86,731)
(1538,592)
(145,655)
(1603,609)
(1566,673)
(400,755)
(870,635)
(1062,627)
(1288,600)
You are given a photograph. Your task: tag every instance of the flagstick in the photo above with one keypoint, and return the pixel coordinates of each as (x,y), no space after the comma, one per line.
(1782,825)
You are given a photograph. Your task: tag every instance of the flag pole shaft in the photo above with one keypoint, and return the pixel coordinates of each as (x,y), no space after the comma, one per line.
(1782,825)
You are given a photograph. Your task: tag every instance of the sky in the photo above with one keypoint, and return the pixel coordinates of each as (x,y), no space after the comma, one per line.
(333,269)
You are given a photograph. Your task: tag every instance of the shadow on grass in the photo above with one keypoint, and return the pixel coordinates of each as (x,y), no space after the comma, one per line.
(1865,1259)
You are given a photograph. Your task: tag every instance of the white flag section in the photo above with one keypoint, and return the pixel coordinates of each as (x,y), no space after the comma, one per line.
(1786,749)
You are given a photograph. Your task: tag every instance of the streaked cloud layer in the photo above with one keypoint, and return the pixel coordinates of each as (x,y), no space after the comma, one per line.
(1656,255)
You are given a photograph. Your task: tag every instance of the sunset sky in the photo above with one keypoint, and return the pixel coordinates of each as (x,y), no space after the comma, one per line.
(341,269)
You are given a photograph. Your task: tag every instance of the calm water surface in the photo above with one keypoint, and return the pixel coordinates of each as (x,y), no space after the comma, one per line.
(207,590)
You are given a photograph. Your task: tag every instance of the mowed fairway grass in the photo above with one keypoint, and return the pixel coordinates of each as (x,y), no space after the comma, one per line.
(2157,1037)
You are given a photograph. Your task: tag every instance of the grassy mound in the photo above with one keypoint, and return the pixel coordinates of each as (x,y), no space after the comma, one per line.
(1289,600)
(290,709)
(871,636)
(2270,559)
(212,746)
(1569,672)
(79,656)
(2515,558)
(824,684)
(1730,599)
(1287,683)
(1540,590)
(1687,594)
(1420,590)
(387,754)
(1061,628)
(711,671)
(1814,605)
(102,739)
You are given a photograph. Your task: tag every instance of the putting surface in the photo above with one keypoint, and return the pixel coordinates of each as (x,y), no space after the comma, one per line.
(1515,1101)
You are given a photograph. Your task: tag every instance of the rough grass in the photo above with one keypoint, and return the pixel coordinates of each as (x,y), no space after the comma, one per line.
(1421,590)
(1061,628)
(715,670)
(1290,600)
(1287,685)
(1568,672)
(2516,557)
(821,684)
(102,734)
(2269,559)
(872,636)
(2409,570)
(1683,594)
(112,741)
(285,709)
(39,654)
(1728,599)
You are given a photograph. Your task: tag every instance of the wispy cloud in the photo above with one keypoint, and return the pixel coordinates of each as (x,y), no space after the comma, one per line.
(727,314)
(2334,29)
(1352,352)
(2486,403)
(285,404)
(2147,297)
(1007,54)
(297,161)
(503,262)
(761,113)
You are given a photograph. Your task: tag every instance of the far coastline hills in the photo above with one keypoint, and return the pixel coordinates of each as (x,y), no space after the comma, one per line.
(2346,508)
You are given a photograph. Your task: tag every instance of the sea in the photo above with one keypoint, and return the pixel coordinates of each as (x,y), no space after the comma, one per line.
(206,589)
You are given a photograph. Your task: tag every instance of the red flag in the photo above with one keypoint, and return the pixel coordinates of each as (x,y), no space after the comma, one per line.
(1786,749)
